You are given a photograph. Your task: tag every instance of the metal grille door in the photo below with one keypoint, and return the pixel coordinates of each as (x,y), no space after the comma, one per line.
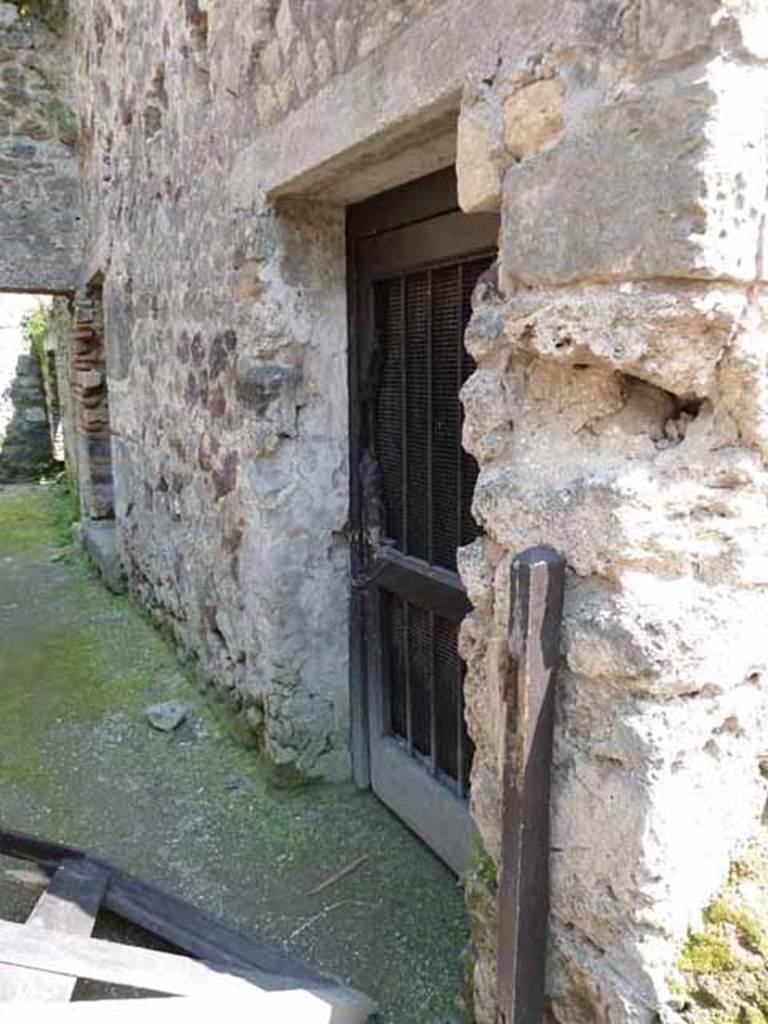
(427,485)
(413,303)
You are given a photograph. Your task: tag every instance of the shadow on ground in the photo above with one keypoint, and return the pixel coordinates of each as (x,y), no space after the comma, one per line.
(190,810)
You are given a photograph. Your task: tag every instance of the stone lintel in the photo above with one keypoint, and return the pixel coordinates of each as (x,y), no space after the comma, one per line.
(389,120)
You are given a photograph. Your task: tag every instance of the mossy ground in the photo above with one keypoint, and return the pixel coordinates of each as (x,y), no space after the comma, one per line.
(723,967)
(191,810)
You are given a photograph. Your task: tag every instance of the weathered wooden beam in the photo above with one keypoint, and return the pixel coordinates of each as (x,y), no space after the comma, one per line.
(536,602)
(425,585)
(59,953)
(272,1008)
(69,905)
(163,914)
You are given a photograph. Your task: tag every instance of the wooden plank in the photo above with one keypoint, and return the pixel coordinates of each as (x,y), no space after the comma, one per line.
(418,200)
(537,582)
(42,852)
(426,585)
(262,1008)
(99,960)
(163,914)
(29,878)
(199,933)
(69,905)
(430,242)
(72,900)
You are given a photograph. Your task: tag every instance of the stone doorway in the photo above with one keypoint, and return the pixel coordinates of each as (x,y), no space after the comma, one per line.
(29,428)
(93,436)
(416,259)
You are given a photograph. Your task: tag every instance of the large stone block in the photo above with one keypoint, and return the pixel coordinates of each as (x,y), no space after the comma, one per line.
(666,180)
(743,377)
(685,511)
(533,117)
(672,336)
(478,171)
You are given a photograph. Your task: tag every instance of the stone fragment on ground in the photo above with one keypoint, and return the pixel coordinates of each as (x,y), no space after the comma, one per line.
(167,716)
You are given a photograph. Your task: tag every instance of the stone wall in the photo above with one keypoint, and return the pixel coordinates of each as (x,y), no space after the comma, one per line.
(25,442)
(39,220)
(618,413)
(59,345)
(225,328)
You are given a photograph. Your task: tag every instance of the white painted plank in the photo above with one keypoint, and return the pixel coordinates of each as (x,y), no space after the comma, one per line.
(69,905)
(261,1008)
(154,971)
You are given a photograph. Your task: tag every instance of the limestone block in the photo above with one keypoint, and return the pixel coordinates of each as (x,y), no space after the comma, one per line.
(488,410)
(672,336)
(478,175)
(533,117)
(654,635)
(677,517)
(284,24)
(476,573)
(743,379)
(666,181)
(485,332)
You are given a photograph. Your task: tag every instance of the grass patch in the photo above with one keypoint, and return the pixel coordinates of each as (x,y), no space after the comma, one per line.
(65,510)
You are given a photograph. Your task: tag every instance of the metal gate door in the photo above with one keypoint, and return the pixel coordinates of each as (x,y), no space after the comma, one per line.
(414,288)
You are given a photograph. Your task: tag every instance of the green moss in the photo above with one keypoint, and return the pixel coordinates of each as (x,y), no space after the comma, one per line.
(723,966)
(750,931)
(65,509)
(483,867)
(706,953)
(51,13)
(192,811)
(25,525)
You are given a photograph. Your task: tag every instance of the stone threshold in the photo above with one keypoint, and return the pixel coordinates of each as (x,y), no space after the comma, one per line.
(99,538)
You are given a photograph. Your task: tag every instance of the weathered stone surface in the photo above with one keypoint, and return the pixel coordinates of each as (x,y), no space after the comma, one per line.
(9,15)
(168,716)
(477,172)
(661,182)
(673,337)
(99,539)
(533,117)
(38,175)
(613,433)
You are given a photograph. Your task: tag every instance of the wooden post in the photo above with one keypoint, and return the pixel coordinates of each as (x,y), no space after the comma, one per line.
(536,602)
